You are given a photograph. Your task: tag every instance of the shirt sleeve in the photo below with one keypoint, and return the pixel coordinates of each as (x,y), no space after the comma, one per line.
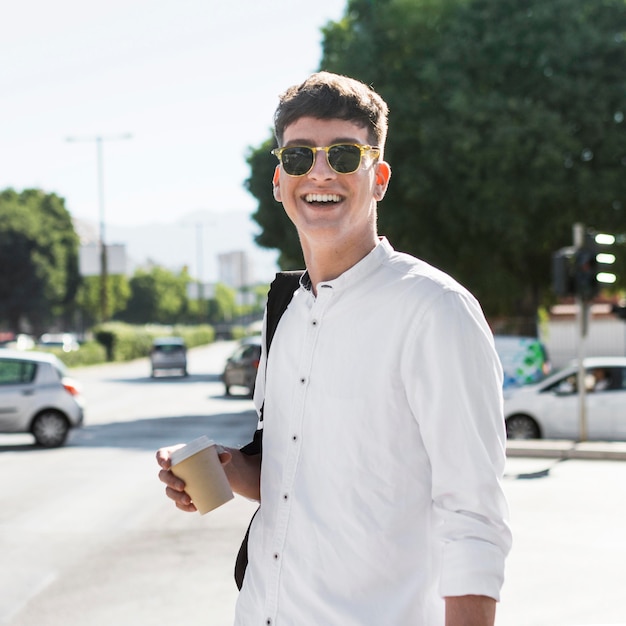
(454,378)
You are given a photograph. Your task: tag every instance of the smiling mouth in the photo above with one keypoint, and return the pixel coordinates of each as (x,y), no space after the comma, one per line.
(322,198)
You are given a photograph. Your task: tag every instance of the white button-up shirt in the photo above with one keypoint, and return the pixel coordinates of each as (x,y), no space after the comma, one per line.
(383,451)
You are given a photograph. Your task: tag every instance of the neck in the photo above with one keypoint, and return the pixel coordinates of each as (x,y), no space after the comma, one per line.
(325,263)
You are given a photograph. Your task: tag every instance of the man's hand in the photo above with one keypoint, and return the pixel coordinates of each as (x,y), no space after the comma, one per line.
(175,487)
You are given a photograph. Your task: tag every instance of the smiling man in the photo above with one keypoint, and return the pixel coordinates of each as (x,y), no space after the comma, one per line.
(383,439)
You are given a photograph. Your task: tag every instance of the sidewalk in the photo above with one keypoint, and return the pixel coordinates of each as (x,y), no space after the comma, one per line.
(566,449)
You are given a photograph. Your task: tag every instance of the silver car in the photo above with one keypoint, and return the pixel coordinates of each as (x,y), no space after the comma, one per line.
(168,353)
(37,397)
(241,368)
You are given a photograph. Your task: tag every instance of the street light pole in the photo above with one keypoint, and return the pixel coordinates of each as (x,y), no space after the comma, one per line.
(199,226)
(578,232)
(104,274)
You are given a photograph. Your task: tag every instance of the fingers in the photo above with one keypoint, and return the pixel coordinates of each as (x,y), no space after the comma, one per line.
(181,499)
(175,487)
(225,455)
(164,455)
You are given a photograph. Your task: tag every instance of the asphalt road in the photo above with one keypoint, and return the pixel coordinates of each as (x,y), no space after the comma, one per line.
(87,537)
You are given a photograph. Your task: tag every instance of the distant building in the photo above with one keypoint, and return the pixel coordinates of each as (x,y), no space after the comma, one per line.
(89,259)
(235,269)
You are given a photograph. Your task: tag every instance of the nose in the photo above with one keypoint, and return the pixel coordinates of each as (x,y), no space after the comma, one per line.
(321,170)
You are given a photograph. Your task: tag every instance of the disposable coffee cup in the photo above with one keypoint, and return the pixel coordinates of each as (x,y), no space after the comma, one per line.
(198,464)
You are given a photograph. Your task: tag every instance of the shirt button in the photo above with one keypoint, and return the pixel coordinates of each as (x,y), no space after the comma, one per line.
(276,556)
(303,380)
(294,437)
(285,497)
(314,322)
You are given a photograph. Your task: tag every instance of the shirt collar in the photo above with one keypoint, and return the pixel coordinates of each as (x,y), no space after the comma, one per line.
(358,272)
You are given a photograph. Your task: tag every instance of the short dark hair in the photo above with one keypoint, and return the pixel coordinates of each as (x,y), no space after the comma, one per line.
(328,96)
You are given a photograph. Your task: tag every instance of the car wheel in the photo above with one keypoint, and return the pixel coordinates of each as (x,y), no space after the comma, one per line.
(50,429)
(522,427)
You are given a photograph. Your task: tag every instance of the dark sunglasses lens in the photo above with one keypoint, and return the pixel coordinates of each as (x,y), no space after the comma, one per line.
(344,159)
(297,161)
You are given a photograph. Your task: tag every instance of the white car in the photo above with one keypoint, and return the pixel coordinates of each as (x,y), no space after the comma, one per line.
(37,397)
(550,409)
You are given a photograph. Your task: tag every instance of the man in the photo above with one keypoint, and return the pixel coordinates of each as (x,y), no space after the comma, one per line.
(383,443)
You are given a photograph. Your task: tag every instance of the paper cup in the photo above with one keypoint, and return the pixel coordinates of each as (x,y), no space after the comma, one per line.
(198,464)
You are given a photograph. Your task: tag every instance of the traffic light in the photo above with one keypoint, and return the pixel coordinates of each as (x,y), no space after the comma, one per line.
(563,282)
(593,264)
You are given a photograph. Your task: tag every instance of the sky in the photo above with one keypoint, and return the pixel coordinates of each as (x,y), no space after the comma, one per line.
(193,82)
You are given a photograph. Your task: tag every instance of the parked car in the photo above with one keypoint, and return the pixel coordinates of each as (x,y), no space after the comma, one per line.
(168,354)
(524,359)
(66,341)
(38,397)
(20,341)
(550,408)
(241,368)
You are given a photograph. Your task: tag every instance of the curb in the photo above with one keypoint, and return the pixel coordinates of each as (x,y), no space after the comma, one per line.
(566,449)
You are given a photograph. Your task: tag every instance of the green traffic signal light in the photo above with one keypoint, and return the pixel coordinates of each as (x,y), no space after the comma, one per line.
(593,265)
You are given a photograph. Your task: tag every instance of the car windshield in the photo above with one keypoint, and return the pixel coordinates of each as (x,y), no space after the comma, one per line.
(169,347)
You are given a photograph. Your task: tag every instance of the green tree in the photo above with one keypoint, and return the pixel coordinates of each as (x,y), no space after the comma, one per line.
(507,126)
(157,296)
(88,297)
(39,260)
(222,307)
(277,229)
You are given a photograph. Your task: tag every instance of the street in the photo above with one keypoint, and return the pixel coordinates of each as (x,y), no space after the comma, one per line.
(88,538)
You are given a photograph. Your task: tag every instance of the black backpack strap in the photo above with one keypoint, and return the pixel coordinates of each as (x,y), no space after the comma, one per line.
(278,298)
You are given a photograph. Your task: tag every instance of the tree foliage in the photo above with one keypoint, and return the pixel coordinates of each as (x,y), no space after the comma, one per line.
(506,127)
(39,259)
(222,307)
(277,229)
(88,297)
(157,296)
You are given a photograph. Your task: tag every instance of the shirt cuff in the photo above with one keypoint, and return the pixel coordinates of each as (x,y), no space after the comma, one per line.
(472,567)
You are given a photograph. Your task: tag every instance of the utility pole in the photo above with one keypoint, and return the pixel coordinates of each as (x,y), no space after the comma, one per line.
(200,226)
(99,139)
(578,232)
(200,263)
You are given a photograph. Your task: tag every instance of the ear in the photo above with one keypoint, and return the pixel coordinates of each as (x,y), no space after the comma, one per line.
(383,174)
(276,183)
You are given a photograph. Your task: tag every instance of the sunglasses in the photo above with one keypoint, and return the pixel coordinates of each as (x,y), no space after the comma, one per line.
(343,158)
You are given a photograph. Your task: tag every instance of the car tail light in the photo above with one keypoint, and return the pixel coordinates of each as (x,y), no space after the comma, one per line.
(255,364)
(71,387)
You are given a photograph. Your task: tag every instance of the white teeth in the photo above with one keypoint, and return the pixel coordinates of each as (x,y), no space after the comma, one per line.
(322,197)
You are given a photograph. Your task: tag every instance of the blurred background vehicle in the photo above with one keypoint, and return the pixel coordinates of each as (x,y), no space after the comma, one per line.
(168,354)
(38,397)
(19,341)
(66,341)
(241,368)
(524,360)
(550,408)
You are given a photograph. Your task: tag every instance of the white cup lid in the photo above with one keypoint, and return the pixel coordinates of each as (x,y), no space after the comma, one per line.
(191,448)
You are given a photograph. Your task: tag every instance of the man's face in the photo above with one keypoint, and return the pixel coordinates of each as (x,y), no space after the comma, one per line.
(327,207)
